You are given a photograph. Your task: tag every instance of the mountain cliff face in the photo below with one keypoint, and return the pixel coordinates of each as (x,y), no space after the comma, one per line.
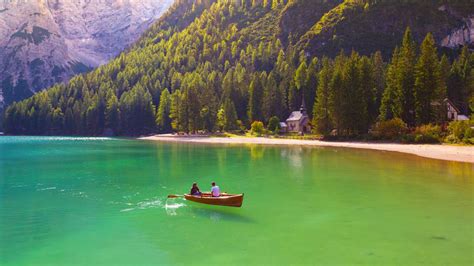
(464,34)
(47,41)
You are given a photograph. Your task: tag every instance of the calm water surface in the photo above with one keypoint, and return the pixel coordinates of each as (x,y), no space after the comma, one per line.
(90,201)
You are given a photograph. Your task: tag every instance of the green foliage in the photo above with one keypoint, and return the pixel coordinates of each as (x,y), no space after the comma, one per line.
(112,113)
(460,81)
(221,119)
(208,64)
(390,129)
(274,124)
(405,77)
(344,103)
(379,23)
(428,134)
(392,99)
(398,99)
(230,116)
(429,86)
(257,128)
(241,126)
(322,119)
(460,132)
(336,15)
(255,99)
(273,98)
(163,120)
(301,76)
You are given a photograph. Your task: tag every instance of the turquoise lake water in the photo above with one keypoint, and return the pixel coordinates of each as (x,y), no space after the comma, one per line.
(89,201)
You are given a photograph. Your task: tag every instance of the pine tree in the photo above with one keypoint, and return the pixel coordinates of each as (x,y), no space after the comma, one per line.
(379,79)
(321,111)
(91,117)
(428,81)
(294,101)
(57,120)
(301,77)
(275,4)
(441,94)
(221,119)
(272,100)
(112,113)
(209,109)
(175,110)
(255,99)
(163,120)
(193,109)
(459,81)
(367,87)
(355,104)
(392,104)
(229,116)
(183,114)
(311,83)
(336,99)
(405,76)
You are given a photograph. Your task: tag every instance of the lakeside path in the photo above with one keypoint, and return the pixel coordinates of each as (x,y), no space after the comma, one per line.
(441,152)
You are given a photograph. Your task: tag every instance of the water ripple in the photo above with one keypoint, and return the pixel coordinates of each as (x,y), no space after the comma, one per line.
(143,205)
(48,188)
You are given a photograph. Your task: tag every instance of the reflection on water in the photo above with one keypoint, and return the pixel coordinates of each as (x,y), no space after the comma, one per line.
(218,213)
(175,207)
(294,156)
(256,151)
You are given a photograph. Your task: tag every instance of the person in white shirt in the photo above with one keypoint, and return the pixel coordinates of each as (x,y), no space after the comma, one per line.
(215,191)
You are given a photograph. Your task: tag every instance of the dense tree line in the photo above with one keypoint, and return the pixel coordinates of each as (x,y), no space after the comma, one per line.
(356,91)
(225,69)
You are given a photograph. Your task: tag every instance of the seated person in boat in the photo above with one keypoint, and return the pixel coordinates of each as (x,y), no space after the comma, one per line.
(215,191)
(195,190)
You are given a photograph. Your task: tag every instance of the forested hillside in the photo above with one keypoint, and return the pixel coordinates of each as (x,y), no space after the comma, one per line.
(220,64)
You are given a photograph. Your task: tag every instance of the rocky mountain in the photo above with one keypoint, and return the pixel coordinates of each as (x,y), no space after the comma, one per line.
(47,41)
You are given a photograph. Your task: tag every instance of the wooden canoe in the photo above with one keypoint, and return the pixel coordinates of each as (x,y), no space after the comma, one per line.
(230,200)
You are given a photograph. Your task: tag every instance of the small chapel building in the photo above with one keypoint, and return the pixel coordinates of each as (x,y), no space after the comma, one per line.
(298,121)
(453,113)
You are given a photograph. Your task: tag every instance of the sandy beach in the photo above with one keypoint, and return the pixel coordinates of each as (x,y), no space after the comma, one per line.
(441,152)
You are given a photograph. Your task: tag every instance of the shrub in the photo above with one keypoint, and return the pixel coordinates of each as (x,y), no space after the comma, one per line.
(460,131)
(390,129)
(408,138)
(257,128)
(428,134)
(241,126)
(274,124)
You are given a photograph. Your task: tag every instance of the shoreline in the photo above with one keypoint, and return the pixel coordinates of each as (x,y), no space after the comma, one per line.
(433,151)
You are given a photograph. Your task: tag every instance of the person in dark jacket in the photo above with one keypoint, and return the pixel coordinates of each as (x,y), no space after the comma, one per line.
(195,190)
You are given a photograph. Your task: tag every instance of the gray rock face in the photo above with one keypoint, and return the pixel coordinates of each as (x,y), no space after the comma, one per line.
(47,41)
(461,36)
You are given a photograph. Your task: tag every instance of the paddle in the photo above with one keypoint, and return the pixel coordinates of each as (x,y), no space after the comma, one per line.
(174,196)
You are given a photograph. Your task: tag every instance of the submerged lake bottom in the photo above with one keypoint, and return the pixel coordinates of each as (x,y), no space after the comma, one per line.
(89,201)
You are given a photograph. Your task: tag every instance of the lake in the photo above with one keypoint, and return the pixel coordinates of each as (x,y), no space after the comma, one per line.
(87,201)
